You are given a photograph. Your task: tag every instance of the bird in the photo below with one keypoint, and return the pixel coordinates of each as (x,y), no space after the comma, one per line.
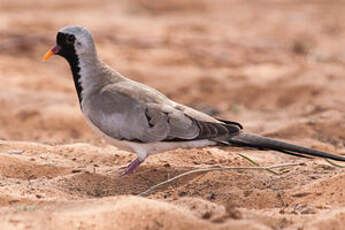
(140,119)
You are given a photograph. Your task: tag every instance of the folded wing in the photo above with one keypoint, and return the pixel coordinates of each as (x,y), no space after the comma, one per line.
(121,114)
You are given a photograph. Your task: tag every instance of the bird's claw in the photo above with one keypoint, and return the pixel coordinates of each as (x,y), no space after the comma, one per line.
(130,167)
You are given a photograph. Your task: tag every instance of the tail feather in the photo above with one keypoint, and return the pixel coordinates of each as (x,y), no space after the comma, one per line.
(260,142)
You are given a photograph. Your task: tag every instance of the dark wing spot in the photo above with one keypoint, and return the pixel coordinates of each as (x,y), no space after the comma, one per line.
(231,123)
(148,118)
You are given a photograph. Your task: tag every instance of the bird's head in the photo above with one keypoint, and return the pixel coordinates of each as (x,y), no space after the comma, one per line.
(72,42)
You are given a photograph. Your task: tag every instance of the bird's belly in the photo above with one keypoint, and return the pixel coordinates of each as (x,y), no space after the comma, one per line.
(158,147)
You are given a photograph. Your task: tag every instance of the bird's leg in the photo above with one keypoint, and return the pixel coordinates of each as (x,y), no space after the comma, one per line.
(131,166)
(141,156)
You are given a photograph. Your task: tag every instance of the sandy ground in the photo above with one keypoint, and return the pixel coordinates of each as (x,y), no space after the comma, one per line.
(275,66)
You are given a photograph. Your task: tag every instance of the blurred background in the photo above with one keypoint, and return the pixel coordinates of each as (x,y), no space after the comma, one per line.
(275,66)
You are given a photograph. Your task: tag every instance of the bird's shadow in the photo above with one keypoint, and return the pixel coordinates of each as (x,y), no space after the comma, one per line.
(112,184)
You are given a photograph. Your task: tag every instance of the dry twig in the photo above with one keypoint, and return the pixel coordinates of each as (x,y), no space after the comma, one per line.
(257,164)
(148,191)
(334,164)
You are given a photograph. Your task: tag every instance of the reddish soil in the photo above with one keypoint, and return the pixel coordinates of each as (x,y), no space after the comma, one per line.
(277,67)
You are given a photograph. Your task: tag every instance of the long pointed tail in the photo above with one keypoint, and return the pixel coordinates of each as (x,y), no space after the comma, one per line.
(260,142)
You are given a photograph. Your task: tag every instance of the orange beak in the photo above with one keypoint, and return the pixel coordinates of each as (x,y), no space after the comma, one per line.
(51,52)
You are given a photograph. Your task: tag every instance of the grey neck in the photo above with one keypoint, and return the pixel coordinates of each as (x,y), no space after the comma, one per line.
(94,75)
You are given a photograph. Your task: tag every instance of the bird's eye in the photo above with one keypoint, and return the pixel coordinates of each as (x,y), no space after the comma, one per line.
(70,39)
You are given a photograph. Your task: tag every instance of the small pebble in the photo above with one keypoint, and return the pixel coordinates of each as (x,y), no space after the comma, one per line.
(207,215)
(182,193)
(212,196)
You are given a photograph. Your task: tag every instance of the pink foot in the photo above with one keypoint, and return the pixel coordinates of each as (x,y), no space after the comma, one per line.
(131,167)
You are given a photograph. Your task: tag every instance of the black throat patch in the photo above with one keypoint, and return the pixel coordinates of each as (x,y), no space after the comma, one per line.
(68,51)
